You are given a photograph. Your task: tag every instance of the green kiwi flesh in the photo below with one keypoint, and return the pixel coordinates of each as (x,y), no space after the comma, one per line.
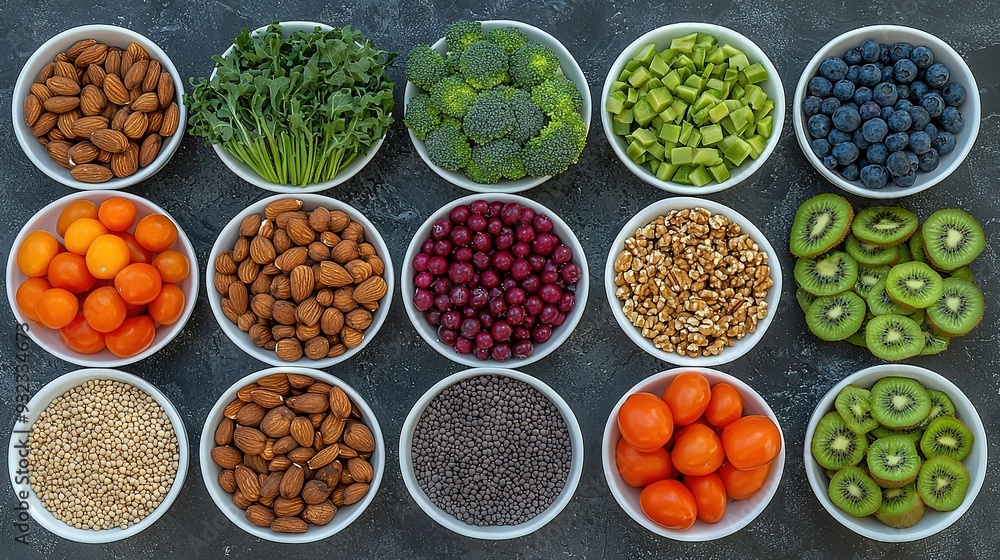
(942,483)
(916,245)
(899,403)
(881,432)
(884,225)
(827,275)
(834,445)
(964,273)
(914,284)
(879,302)
(901,507)
(869,253)
(804,298)
(959,309)
(836,317)
(854,405)
(941,405)
(893,461)
(868,276)
(854,492)
(947,436)
(933,342)
(952,238)
(894,338)
(820,224)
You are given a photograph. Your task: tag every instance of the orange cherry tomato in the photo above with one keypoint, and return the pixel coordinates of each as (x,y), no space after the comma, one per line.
(709,496)
(687,395)
(743,484)
(82,233)
(156,232)
(81,337)
(57,308)
(645,422)
(137,253)
(104,309)
(133,336)
(669,503)
(167,308)
(697,451)
(641,469)
(69,271)
(751,441)
(138,284)
(27,295)
(725,406)
(117,213)
(73,212)
(107,256)
(36,252)
(173,266)
(135,310)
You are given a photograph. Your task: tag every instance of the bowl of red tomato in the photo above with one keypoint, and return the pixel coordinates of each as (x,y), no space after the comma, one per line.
(102,278)
(693,454)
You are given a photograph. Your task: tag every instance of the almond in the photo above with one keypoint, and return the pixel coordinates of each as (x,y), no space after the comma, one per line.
(92,101)
(58,151)
(226,456)
(340,405)
(271,487)
(280,206)
(262,250)
(358,318)
(302,282)
(250,440)
(283,312)
(248,483)
(289,349)
(300,381)
(150,149)
(276,424)
(241,501)
(301,455)
(299,232)
(315,491)
(59,85)
(135,125)
(285,444)
(366,250)
(267,399)
(126,163)
(119,118)
(222,282)
(165,89)
(316,348)
(248,270)
(171,119)
(333,275)
(136,74)
(306,332)
(113,62)
(137,51)
(41,92)
(152,79)
(359,270)
(320,514)
(358,436)
(148,102)
(280,463)
(232,409)
(291,482)
(318,252)
(343,299)
(86,126)
(94,54)
(224,432)
(378,266)
(65,69)
(260,515)
(238,298)
(61,103)
(291,258)
(354,232)
(371,290)
(227,480)
(302,431)
(338,220)
(115,90)
(345,252)
(351,337)
(325,456)
(360,469)
(289,525)
(288,506)
(277,382)
(250,225)
(354,493)
(319,219)
(78,47)
(43,124)
(309,403)
(109,140)
(45,73)
(32,110)
(82,152)
(65,123)
(91,173)
(308,312)
(96,74)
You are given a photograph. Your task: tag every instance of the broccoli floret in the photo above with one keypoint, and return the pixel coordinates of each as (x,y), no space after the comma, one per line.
(453,96)
(532,64)
(484,65)
(557,97)
(495,160)
(421,115)
(528,117)
(510,38)
(489,118)
(556,147)
(461,34)
(426,67)
(448,148)
(448,120)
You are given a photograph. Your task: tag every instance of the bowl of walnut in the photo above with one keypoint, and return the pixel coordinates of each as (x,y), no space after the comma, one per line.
(300,281)
(692,282)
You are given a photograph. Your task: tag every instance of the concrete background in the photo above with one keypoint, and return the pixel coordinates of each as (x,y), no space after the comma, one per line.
(791,368)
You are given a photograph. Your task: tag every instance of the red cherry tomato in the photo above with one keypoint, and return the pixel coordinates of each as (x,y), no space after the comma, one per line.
(669,503)
(133,336)
(138,283)
(640,469)
(709,495)
(725,406)
(697,451)
(743,484)
(81,337)
(751,441)
(645,421)
(687,395)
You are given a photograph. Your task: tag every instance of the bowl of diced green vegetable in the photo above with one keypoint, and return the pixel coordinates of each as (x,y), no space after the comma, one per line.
(693,108)
(306,115)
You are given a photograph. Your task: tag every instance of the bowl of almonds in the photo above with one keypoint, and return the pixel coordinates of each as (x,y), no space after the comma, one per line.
(97,107)
(300,281)
(292,454)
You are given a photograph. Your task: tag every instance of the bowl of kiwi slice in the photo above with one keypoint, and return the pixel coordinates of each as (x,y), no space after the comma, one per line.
(896,452)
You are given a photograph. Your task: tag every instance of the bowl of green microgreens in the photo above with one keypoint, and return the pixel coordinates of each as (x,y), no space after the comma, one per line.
(295,106)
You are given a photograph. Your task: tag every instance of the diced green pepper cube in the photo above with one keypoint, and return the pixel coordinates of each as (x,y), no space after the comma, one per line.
(656,150)
(742,117)
(683,61)
(642,91)
(620,128)
(764,126)
(653,84)
(625,75)
(633,65)
(670,132)
(711,134)
(731,75)
(727,123)
(706,156)
(639,77)
(668,55)
(738,151)
(684,154)
(644,137)
(672,80)
(635,151)
(700,176)
(739,61)
(715,56)
(615,102)
(755,73)
(658,67)
(681,175)
(654,165)
(720,70)
(724,144)
(666,171)
(687,93)
(698,57)
(659,99)
(625,116)
(686,130)
(719,172)
(730,51)
(694,139)
(700,117)
(679,109)
(719,112)
(706,99)
(705,39)
(715,84)
(695,81)
(706,72)
(618,85)
(767,108)
(757,144)
(684,44)
(738,92)
(642,112)
(656,123)
(645,54)
(633,96)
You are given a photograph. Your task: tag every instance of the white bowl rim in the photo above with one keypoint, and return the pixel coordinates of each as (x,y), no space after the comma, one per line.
(60,174)
(495,532)
(659,208)
(505,185)
(242,340)
(41,400)
(90,360)
(972,102)
(819,483)
(742,172)
(223,500)
(560,334)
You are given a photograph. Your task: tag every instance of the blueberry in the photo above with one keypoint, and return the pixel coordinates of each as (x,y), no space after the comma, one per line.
(853,56)
(852,73)
(931,131)
(904,71)
(899,121)
(818,126)
(846,118)
(900,51)
(850,172)
(862,162)
(886,113)
(821,147)
(830,162)
(874,176)
(953,93)
(845,152)
(920,142)
(875,130)
(897,141)
(819,86)
(833,69)
(885,94)
(843,90)
(903,90)
(885,54)
(870,110)
(859,140)
(837,136)
(922,56)
(905,181)
(951,120)
(944,143)
(877,153)
(929,160)
(869,75)
(902,105)
(919,117)
(937,75)
(862,95)
(869,51)
(933,103)
(898,164)
(829,105)
(912,160)
(917,90)
(810,106)
(887,73)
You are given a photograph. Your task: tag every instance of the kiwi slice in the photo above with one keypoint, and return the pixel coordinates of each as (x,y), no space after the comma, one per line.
(893,461)
(933,342)
(884,225)
(881,432)
(952,238)
(941,405)
(964,273)
(901,507)
(820,224)
(879,302)
(855,492)
(916,245)
(854,403)
(894,337)
(904,254)
(858,338)
(914,284)
(869,253)
(836,317)
(959,309)
(834,445)
(804,298)
(868,276)
(946,435)
(827,275)
(942,483)
(899,403)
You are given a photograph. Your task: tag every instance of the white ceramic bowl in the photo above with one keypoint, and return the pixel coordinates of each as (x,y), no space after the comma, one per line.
(559,334)
(224,500)
(739,513)
(571,70)
(50,340)
(889,34)
(17,463)
(661,208)
(498,532)
(113,36)
(229,235)
(932,522)
(661,37)
(245,172)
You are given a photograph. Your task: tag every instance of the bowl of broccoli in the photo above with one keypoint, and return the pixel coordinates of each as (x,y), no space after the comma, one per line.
(496,106)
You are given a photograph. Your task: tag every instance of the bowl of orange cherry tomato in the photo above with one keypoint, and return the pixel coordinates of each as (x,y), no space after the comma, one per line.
(102,279)
(693,454)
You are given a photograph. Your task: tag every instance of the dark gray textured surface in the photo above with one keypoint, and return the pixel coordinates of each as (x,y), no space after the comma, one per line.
(598,363)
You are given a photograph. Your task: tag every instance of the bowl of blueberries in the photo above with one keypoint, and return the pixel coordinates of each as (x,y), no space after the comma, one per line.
(886,111)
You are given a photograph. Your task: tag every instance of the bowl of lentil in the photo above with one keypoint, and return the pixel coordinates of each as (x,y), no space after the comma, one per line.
(454,431)
(52,473)
(682,303)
